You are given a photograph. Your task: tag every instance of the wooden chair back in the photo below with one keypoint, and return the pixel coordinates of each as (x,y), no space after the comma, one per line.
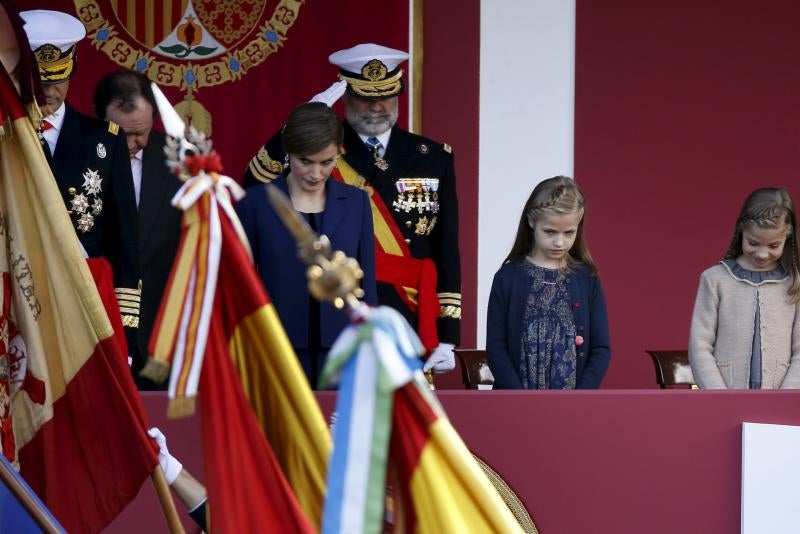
(474,370)
(672,368)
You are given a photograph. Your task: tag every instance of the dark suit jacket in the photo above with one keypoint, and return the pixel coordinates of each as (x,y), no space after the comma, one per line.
(347,221)
(159,236)
(88,145)
(429,233)
(504,325)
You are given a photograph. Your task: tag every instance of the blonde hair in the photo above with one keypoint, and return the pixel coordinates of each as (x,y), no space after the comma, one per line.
(771,208)
(559,195)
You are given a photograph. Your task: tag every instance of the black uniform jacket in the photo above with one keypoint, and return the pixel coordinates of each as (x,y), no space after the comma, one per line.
(419,189)
(92,169)
(159,236)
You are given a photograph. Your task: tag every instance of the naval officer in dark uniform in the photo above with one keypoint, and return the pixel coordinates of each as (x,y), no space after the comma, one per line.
(88,157)
(415,210)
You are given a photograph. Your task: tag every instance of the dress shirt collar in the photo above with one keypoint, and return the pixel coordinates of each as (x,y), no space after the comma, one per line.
(383,138)
(57,117)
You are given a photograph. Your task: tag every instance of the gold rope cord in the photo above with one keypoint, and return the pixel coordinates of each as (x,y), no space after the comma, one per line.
(509,497)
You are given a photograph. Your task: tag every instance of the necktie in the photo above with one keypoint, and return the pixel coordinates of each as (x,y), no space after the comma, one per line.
(45,145)
(374,146)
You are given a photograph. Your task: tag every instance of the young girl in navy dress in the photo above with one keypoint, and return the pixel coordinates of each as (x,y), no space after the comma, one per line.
(547,326)
(746,324)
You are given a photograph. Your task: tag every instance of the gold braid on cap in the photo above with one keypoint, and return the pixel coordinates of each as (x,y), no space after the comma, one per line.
(375,88)
(54,65)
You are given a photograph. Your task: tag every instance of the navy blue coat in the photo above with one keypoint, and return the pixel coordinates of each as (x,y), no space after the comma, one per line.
(347,221)
(510,289)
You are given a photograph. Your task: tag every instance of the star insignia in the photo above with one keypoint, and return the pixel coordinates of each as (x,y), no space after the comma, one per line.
(97,207)
(92,182)
(79,203)
(85,222)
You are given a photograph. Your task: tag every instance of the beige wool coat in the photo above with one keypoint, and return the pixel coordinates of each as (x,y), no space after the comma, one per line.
(721,338)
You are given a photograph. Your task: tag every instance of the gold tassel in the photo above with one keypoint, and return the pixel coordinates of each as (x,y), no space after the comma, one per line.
(155,370)
(181,407)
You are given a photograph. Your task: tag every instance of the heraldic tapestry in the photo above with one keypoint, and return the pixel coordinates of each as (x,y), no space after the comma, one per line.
(232,68)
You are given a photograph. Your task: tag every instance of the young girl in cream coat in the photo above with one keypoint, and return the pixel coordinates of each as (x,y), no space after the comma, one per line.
(746,325)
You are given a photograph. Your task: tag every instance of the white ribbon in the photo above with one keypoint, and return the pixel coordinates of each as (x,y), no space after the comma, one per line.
(224,191)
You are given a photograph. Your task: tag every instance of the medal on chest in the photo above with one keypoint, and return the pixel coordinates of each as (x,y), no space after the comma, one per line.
(86,204)
(381,163)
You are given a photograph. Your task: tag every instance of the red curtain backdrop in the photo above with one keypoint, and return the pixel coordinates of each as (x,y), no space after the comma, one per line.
(681,110)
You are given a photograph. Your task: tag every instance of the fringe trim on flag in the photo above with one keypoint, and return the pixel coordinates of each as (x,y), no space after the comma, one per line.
(35,113)
(155,370)
(181,407)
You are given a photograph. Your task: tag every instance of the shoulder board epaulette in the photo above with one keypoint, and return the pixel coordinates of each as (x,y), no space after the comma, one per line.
(263,167)
(113,127)
(447,148)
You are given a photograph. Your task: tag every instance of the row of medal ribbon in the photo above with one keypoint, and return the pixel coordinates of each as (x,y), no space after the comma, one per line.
(417,193)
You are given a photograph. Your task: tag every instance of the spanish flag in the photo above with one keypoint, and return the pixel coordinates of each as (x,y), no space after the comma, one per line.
(266,459)
(388,420)
(71,416)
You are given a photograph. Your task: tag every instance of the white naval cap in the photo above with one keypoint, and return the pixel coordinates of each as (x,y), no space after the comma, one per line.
(52,36)
(371,70)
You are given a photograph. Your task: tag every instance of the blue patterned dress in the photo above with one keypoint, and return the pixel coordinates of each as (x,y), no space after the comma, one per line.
(548,335)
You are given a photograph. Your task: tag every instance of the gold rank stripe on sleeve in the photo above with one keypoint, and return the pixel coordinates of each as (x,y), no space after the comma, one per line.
(453,299)
(129,301)
(113,127)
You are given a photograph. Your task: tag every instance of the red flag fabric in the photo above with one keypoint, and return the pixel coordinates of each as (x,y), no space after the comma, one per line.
(247,490)
(265,441)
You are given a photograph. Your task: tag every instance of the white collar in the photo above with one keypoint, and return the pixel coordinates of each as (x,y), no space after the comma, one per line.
(139,155)
(383,138)
(57,117)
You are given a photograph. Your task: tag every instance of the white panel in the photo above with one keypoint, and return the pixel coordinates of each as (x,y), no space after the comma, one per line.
(770,478)
(527,89)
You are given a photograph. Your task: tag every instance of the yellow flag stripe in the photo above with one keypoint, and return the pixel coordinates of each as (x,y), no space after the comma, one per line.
(58,308)
(180,284)
(197,304)
(451,493)
(276,386)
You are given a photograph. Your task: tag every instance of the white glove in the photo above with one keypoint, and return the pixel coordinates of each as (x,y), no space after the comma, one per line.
(442,359)
(330,95)
(169,464)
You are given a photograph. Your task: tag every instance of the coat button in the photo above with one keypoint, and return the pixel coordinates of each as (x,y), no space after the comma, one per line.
(409,224)
(408,241)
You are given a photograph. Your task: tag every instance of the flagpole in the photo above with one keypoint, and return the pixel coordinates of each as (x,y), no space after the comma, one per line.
(165,499)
